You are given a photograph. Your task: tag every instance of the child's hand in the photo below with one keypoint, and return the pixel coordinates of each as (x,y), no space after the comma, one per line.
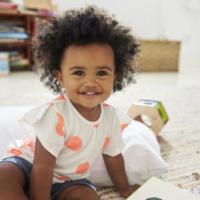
(129,190)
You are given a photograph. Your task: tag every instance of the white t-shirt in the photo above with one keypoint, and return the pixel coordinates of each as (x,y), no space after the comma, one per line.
(73,140)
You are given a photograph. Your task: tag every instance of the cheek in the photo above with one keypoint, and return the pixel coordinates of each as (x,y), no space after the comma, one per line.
(69,85)
(108,85)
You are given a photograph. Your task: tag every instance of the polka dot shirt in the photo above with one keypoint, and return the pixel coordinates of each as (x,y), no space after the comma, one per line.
(73,140)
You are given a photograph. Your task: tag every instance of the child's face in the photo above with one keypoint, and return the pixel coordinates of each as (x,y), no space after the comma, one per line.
(87,74)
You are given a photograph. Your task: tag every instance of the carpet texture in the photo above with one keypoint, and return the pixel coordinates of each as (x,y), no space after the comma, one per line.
(179,141)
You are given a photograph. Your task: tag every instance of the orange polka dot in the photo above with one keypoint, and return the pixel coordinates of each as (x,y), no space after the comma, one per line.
(60,125)
(60,98)
(106,142)
(123,126)
(82,168)
(62,178)
(74,143)
(28,143)
(15,151)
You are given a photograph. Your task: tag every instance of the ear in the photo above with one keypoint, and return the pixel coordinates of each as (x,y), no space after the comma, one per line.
(59,76)
(115,77)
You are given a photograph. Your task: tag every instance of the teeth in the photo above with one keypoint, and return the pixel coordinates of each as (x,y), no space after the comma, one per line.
(90,93)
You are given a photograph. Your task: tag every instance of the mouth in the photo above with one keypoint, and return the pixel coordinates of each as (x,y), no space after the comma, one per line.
(90,93)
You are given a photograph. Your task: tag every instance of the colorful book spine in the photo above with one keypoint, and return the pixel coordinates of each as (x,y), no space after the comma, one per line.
(4,63)
(13,35)
(8,6)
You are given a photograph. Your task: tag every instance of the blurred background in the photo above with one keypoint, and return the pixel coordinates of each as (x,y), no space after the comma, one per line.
(157,19)
(169,32)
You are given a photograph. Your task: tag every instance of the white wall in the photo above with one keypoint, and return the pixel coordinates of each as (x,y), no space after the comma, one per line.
(182,21)
(144,16)
(169,19)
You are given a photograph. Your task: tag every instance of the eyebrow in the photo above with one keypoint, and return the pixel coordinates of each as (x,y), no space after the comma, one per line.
(98,67)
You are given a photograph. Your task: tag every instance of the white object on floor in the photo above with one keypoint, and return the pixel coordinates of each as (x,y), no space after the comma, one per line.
(10,128)
(156,189)
(141,155)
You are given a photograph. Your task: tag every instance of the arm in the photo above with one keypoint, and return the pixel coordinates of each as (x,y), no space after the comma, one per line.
(42,173)
(116,170)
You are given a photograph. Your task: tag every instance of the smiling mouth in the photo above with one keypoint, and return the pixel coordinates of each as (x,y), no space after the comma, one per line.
(90,93)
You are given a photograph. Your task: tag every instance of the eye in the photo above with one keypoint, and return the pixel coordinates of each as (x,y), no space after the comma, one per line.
(102,73)
(78,73)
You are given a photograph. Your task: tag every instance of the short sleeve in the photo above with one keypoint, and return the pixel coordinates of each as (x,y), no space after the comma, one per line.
(48,127)
(123,118)
(115,143)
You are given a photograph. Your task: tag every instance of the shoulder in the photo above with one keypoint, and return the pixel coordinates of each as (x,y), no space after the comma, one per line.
(116,115)
(108,107)
(116,111)
(60,99)
(60,104)
(110,113)
(46,110)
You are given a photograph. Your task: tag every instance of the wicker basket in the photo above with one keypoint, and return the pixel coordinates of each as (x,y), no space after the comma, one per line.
(38,4)
(158,55)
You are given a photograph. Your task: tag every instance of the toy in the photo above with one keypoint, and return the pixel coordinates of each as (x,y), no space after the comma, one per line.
(150,112)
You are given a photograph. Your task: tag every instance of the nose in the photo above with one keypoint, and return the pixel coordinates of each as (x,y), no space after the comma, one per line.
(90,80)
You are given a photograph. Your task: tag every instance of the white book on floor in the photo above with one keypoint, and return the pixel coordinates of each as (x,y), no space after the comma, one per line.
(156,189)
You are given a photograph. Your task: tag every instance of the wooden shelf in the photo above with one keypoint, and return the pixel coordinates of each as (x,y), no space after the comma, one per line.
(15,43)
(21,14)
(30,23)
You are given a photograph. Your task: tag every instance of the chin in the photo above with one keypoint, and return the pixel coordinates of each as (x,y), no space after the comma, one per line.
(90,103)
(87,105)
(90,106)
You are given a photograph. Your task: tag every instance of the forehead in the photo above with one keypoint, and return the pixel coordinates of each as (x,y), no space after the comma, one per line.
(88,55)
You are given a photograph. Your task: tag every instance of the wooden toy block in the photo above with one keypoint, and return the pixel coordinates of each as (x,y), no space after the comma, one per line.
(153,110)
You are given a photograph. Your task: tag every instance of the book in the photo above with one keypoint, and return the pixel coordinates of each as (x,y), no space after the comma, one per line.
(18,60)
(156,189)
(8,6)
(6,11)
(4,63)
(13,35)
(12,40)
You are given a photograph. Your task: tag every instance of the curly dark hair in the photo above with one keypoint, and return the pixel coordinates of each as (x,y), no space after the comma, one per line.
(84,26)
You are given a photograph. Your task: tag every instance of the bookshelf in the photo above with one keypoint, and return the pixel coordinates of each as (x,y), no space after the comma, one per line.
(16,33)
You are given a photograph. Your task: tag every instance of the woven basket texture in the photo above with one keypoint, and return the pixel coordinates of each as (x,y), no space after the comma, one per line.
(158,55)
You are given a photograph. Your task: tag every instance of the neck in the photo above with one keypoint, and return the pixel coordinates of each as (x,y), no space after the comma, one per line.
(91,114)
